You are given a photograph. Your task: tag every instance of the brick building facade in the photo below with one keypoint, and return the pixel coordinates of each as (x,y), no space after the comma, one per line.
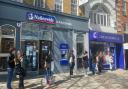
(122,16)
(122,26)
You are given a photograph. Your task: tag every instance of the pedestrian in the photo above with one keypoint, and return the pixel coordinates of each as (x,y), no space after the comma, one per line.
(71,62)
(85,62)
(11,66)
(48,72)
(20,71)
(99,59)
(93,65)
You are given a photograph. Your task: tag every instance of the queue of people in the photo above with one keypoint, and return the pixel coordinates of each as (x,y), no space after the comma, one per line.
(15,62)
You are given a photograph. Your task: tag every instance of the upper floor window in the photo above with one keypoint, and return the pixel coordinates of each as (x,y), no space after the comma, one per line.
(39,3)
(36,3)
(74,6)
(99,15)
(124,7)
(59,5)
(125,26)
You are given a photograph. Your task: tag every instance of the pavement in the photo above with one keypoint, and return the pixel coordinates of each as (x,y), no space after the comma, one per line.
(108,80)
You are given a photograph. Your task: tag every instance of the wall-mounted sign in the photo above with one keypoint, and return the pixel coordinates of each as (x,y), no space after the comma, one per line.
(64,46)
(106,37)
(41,18)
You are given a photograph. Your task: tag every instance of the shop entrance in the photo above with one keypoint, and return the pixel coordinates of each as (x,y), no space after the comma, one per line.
(30,49)
(45,53)
(126,59)
(7,40)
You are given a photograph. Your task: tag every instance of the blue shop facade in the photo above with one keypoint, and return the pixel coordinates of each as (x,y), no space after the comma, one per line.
(39,33)
(107,42)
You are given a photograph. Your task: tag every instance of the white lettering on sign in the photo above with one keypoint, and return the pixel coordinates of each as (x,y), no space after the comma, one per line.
(64,23)
(41,18)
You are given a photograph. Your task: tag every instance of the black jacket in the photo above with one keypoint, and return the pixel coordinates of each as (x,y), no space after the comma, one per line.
(11,62)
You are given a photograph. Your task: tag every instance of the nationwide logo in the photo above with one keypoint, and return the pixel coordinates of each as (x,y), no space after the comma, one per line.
(41,18)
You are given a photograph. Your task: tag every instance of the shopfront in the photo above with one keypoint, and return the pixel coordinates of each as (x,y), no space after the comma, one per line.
(111,47)
(125,46)
(40,34)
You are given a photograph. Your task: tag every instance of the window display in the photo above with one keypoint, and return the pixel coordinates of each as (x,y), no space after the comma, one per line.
(107,50)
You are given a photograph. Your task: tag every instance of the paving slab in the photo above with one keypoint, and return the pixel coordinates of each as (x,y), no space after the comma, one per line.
(109,80)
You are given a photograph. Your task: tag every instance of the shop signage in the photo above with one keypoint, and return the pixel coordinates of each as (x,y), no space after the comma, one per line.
(41,18)
(106,37)
(64,46)
(64,23)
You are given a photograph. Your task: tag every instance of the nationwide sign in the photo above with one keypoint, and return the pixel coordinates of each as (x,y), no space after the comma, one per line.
(41,18)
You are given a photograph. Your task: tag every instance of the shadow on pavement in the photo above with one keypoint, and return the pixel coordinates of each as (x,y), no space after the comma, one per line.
(54,86)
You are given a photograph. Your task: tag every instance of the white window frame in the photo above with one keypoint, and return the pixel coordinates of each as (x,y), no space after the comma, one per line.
(101,19)
(60,3)
(39,1)
(75,4)
(124,7)
(126,27)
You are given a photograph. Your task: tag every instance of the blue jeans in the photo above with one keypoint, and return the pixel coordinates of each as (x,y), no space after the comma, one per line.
(48,74)
(93,68)
(9,77)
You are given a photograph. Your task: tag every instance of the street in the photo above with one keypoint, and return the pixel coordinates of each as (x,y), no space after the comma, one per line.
(109,80)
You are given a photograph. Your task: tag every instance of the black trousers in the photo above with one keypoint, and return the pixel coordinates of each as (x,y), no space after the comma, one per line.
(99,68)
(21,82)
(71,68)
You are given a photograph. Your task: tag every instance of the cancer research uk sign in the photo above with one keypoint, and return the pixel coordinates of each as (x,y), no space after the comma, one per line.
(105,37)
(41,18)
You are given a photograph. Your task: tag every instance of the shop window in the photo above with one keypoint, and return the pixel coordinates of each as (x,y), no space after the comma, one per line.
(47,35)
(7,37)
(7,30)
(34,31)
(80,48)
(80,44)
(30,31)
(59,5)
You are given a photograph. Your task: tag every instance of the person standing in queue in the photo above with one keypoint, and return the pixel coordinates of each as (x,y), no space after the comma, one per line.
(47,66)
(71,62)
(20,71)
(99,59)
(11,66)
(85,62)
